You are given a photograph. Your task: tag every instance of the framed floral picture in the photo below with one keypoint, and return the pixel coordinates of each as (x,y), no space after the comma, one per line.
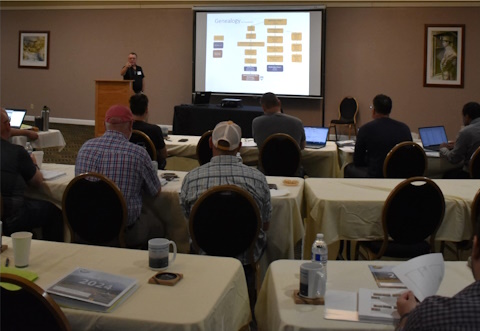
(444,55)
(33,49)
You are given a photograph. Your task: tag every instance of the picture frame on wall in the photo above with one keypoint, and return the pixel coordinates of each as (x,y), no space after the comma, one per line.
(33,51)
(444,55)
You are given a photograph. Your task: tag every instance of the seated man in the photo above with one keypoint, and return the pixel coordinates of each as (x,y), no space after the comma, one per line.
(460,312)
(226,168)
(139,108)
(19,170)
(375,139)
(274,121)
(130,167)
(467,142)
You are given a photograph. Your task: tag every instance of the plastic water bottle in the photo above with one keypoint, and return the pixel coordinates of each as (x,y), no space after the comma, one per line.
(46,118)
(29,148)
(320,251)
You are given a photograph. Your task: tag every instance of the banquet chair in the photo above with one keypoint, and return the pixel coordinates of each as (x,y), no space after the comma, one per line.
(280,156)
(95,211)
(28,307)
(204,152)
(140,138)
(474,166)
(225,221)
(458,248)
(413,212)
(347,111)
(406,159)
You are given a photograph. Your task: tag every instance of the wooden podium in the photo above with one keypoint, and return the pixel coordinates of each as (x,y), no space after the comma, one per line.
(107,94)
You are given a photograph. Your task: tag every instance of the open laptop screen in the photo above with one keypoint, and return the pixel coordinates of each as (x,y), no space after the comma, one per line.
(316,136)
(16,117)
(432,135)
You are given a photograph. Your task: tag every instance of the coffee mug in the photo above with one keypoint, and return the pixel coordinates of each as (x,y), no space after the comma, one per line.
(158,257)
(312,280)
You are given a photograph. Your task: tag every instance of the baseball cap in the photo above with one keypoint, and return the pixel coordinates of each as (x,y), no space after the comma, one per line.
(228,132)
(118,114)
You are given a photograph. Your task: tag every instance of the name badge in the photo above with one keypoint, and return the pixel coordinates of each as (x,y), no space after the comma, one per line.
(139,73)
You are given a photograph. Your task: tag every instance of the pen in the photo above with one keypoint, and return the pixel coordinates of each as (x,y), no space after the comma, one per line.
(7,262)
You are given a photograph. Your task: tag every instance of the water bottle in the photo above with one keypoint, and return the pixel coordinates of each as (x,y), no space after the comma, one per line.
(320,251)
(46,118)
(29,148)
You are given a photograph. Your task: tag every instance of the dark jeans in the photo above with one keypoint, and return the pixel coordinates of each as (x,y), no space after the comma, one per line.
(352,171)
(35,214)
(456,174)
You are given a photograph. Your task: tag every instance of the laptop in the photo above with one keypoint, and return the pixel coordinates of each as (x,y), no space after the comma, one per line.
(316,137)
(202,98)
(432,137)
(16,117)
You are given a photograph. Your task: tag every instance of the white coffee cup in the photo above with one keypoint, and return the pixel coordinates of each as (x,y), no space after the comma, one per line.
(38,157)
(21,248)
(158,257)
(312,280)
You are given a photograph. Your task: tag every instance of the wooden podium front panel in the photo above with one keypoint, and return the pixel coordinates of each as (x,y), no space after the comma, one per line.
(107,94)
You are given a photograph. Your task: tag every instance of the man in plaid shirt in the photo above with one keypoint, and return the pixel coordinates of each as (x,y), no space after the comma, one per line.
(225,168)
(129,166)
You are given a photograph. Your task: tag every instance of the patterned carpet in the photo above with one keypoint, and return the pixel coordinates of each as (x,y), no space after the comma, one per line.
(75,136)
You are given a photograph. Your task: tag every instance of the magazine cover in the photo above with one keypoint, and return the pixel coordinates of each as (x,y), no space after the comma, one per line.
(385,277)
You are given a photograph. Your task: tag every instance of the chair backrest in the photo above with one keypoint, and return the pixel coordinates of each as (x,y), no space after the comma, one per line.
(225,221)
(475,212)
(95,210)
(413,211)
(348,109)
(406,159)
(474,166)
(204,152)
(280,155)
(140,138)
(29,307)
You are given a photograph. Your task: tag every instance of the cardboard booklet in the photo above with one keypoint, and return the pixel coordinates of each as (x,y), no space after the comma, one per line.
(92,290)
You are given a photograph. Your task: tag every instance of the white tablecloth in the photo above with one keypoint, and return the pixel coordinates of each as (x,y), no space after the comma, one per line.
(321,162)
(50,138)
(211,296)
(350,209)
(276,310)
(286,224)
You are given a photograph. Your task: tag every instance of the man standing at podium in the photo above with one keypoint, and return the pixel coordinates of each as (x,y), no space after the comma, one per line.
(132,71)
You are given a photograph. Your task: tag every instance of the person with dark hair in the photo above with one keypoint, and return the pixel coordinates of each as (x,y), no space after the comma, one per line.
(132,71)
(139,108)
(468,140)
(375,139)
(19,171)
(274,121)
(460,312)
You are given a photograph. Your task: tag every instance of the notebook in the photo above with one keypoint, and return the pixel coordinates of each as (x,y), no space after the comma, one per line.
(16,117)
(432,137)
(316,137)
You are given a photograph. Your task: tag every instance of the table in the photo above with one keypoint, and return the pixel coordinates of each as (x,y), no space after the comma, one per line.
(212,295)
(50,138)
(286,224)
(197,119)
(276,310)
(321,162)
(436,166)
(351,208)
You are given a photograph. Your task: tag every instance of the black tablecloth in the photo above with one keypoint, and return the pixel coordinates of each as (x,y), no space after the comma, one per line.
(194,120)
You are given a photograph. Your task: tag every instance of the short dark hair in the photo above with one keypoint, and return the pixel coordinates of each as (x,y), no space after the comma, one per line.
(382,104)
(133,53)
(138,104)
(471,109)
(269,100)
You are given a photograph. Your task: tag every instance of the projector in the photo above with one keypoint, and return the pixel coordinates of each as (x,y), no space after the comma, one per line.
(231,103)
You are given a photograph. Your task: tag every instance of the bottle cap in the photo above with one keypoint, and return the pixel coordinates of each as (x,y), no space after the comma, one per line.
(319,235)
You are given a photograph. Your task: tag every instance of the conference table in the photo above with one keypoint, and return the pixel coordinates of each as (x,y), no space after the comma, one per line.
(321,162)
(276,309)
(351,209)
(212,295)
(286,224)
(46,139)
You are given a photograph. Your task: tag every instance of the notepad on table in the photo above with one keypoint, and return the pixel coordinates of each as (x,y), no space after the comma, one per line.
(52,174)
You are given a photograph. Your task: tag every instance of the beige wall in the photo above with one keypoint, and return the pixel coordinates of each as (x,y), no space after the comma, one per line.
(368,51)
